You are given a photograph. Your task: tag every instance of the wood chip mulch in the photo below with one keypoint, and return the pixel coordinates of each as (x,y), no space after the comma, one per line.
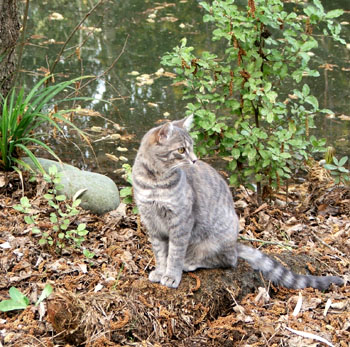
(108,300)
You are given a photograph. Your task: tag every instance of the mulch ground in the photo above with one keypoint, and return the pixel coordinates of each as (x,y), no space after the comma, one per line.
(108,300)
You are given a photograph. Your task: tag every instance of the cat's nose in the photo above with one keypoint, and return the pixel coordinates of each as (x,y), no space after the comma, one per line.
(193,158)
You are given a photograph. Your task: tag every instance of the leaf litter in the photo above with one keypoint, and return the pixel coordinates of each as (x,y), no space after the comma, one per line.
(108,300)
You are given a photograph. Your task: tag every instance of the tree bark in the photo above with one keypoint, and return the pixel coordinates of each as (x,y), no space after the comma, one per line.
(9,33)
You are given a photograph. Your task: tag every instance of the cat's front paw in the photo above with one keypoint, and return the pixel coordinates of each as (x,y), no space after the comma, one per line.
(155,276)
(171,281)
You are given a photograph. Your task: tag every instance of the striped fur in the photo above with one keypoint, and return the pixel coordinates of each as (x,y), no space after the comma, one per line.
(189,213)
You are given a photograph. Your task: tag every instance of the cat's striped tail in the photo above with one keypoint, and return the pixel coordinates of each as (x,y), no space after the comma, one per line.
(279,275)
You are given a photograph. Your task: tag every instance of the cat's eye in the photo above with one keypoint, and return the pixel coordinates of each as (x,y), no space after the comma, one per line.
(181,150)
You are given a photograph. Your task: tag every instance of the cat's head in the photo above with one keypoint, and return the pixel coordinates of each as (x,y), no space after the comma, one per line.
(170,145)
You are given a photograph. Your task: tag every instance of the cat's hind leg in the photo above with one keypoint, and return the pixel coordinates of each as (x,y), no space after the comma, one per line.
(208,256)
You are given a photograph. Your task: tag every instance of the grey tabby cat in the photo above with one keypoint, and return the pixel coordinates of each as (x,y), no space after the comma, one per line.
(189,213)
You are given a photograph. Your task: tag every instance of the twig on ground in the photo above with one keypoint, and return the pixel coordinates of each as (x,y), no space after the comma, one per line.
(329,246)
(268,242)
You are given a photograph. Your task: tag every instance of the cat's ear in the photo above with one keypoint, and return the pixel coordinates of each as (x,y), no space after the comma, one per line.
(185,123)
(164,132)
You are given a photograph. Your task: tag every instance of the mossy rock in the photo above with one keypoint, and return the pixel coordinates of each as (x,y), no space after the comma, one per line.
(101,193)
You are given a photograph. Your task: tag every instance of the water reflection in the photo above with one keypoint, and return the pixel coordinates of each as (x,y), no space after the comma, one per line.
(151,28)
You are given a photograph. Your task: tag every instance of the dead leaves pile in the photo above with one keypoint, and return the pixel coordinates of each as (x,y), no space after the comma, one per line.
(108,300)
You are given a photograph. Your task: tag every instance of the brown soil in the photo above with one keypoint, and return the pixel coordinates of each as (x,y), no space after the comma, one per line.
(108,300)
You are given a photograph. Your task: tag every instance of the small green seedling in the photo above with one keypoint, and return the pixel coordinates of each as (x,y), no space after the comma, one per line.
(126,192)
(62,231)
(338,171)
(19,301)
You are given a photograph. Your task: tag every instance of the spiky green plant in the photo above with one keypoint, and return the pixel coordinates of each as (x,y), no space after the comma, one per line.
(22,116)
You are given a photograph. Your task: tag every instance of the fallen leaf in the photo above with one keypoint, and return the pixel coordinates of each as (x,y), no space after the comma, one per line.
(122,149)
(98,287)
(115,137)
(37,37)
(87,112)
(96,129)
(56,16)
(169,74)
(92,29)
(169,19)
(133,73)
(112,157)
(5,245)
(2,181)
(159,72)
(344,117)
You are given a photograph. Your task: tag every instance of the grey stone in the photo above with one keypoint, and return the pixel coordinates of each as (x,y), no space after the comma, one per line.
(102,194)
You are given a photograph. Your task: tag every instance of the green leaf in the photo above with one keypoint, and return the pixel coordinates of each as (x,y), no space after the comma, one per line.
(312,101)
(334,13)
(49,196)
(18,208)
(10,305)
(88,254)
(81,227)
(234,180)
(25,202)
(60,197)
(29,219)
(252,154)
(125,192)
(53,170)
(52,204)
(64,226)
(270,117)
(343,169)
(306,90)
(53,218)
(36,230)
(330,167)
(18,301)
(343,160)
(308,45)
(76,203)
(16,295)
(82,232)
(236,153)
(45,294)
(232,165)
(42,242)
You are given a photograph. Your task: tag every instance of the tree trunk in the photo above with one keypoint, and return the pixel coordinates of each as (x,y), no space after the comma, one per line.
(9,33)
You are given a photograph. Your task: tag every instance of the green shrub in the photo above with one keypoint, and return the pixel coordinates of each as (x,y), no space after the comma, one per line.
(241,111)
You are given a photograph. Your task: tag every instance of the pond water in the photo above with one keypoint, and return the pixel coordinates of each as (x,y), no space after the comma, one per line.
(124,41)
